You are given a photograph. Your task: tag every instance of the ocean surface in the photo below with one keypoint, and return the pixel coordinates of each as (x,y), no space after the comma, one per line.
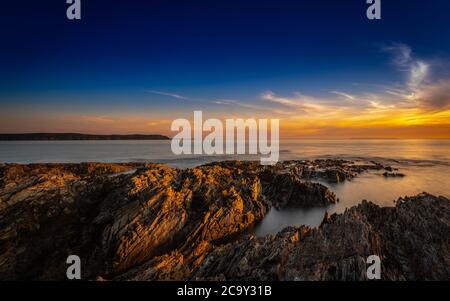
(426,164)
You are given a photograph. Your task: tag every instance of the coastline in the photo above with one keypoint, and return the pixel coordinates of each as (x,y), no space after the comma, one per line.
(78,137)
(138,221)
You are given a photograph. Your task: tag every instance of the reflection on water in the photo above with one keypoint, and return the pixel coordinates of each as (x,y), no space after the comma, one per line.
(371,186)
(426,164)
(430,150)
(378,189)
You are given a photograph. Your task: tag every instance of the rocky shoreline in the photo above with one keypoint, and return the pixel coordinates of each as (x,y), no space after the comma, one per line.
(152,222)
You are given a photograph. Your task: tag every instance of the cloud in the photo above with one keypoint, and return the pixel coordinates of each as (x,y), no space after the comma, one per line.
(270,96)
(299,103)
(379,106)
(168,94)
(422,98)
(419,100)
(425,87)
(311,107)
(403,58)
(418,74)
(418,95)
(434,96)
(345,96)
(401,54)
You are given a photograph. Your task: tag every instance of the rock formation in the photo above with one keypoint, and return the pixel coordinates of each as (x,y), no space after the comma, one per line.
(153,222)
(411,239)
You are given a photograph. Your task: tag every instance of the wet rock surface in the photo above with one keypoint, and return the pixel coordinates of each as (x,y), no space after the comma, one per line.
(153,222)
(411,240)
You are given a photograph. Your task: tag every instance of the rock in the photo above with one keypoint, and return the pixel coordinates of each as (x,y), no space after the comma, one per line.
(114,223)
(411,240)
(153,222)
(332,170)
(393,175)
(286,190)
(41,214)
(328,170)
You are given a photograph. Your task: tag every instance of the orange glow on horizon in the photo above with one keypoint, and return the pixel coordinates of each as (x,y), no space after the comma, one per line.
(319,122)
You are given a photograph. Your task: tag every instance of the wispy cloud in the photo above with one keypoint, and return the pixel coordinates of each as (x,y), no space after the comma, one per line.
(418,74)
(421,99)
(345,96)
(301,103)
(420,88)
(168,94)
(418,70)
(270,96)
(380,106)
(401,55)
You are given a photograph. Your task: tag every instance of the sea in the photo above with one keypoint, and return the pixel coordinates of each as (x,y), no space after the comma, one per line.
(426,164)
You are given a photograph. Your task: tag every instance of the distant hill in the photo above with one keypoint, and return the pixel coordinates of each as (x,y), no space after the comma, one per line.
(76,136)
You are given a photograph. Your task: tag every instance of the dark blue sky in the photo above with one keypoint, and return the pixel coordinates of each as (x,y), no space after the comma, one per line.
(230,49)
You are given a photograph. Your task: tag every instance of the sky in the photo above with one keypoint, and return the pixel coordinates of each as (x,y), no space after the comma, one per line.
(321,67)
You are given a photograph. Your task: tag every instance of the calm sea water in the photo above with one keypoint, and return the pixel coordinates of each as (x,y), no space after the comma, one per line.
(426,164)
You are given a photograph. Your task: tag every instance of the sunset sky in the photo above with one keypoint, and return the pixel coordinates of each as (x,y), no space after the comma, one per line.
(321,67)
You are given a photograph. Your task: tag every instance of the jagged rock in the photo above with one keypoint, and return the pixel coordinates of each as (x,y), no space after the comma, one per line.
(153,222)
(411,240)
(114,223)
(286,190)
(332,170)
(328,170)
